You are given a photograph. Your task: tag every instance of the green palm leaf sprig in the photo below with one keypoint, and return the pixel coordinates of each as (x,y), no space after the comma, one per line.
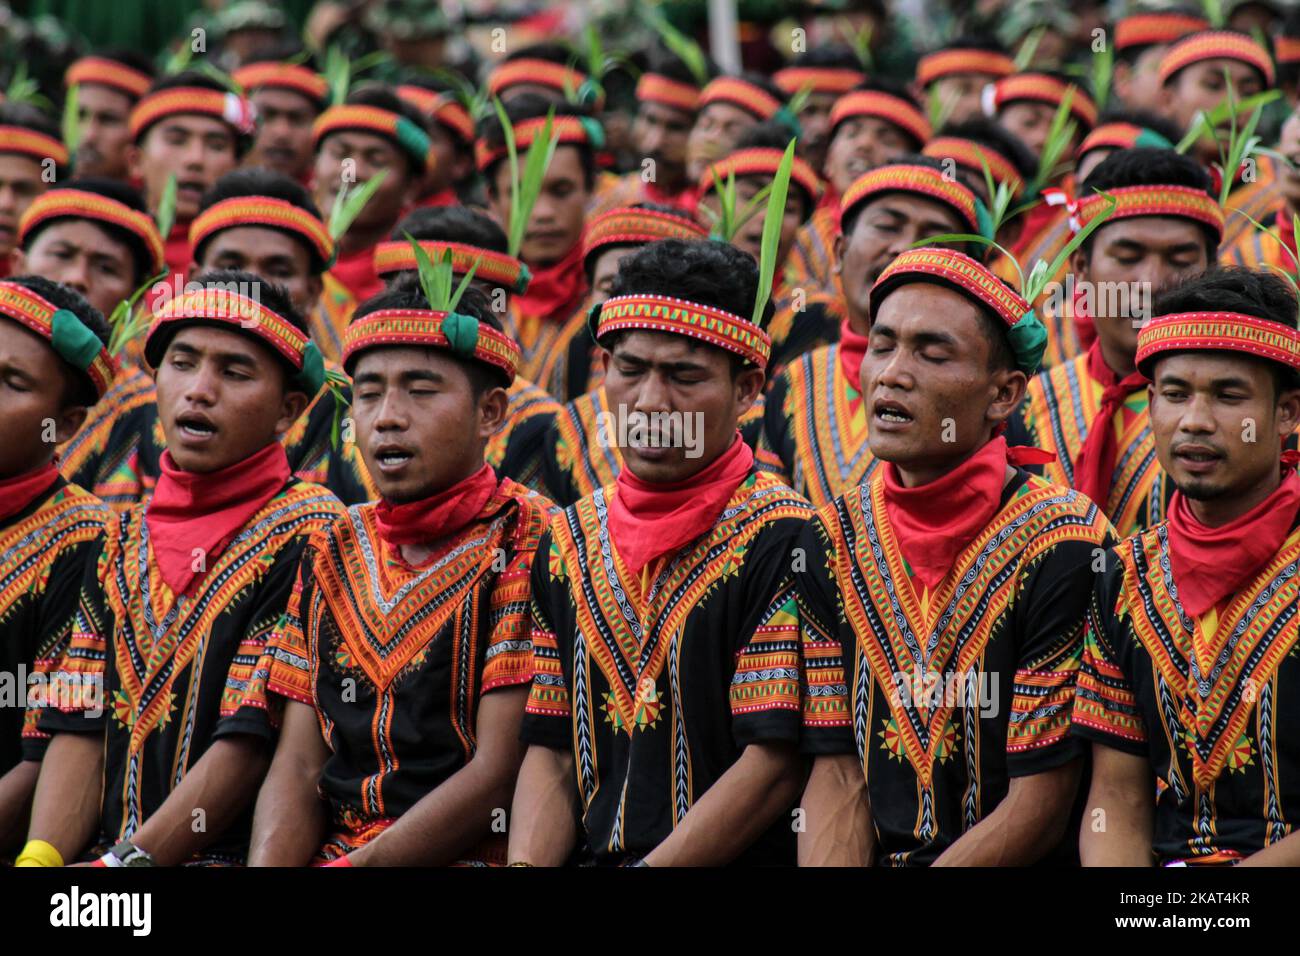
(772,217)
(341,71)
(348,204)
(859,40)
(1242,142)
(1204,123)
(473,98)
(437,278)
(220,76)
(1028,47)
(339,387)
(598,62)
(71,120)
(23,88)
(731,215)
(678,43)
(179,60)
(1053,160)
(126,322)
(937,110)
(1291,275)
(166,215)
(525,185)
(1214,12)
(1102,69)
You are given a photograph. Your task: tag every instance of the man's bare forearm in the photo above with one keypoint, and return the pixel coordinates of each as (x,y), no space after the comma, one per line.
(544,816)
(290,819)
(209,798)
(69,793)
(1030,820)
(736,810)
(1119,816)
(16,790)
(838,830)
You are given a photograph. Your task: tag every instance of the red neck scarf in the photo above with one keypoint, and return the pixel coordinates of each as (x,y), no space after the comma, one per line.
(936,521)
(830,196)
(555,292)
(1210,564)
(438,516)
(191,510)
(1285,227)
(649,520)
(853,349)
(176,248)
(443,197)
(357,274)
(4,267)
(1096,463)
(20,491)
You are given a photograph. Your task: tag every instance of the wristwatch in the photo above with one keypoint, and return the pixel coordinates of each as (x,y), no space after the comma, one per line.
(127,853)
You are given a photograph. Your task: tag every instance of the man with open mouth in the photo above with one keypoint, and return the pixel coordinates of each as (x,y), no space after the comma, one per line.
(1189,671)
(407,636)
(815,419)
(174,614)
(663,718)
(1092,411)
(943,600)
(54,366)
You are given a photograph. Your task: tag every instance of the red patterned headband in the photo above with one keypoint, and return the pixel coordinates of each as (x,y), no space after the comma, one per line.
(496,268)
(738,92)
(566,129)
(1182,202)
(963,274)
(236,111)
(283,76)
(73,203)
(264,211)
(661,313)
(1216,45)
(412,140)
(441,108)
(629,225)
(762,161)
(654,88)
(1144,29)
(530,72)
(820,79)
(28,142)
(106,72)
(70,338)
(1214,332)
(882,106)
(1286,50)
(922,180)
(223,306)
(460,334)
(935,66)
(967,153)
(1041,88)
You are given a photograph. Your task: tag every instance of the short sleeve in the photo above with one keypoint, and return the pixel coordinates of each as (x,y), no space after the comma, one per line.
(548,713)
(75,690)
(1105,706)
(288,667)
(508,660)
(826,727)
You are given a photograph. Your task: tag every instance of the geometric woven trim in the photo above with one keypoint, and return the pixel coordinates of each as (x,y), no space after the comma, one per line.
(741,93)
(283,76)
(882,106)
(565,129)
(947,62)
(761,161)
(441,107)
(495,268)
(263,211)
(1041,88)
(1180,201)
(903,177)
(1216,45)
(220,305)
(28,142)
(1218,331)
(424,328)
(958,270)
(627,225)
(556,76)
(1144,29)
(819,79)
(232,109)
(36,313)
(74,203)
(967,153)
(662,313)
(654,88)
(106,72)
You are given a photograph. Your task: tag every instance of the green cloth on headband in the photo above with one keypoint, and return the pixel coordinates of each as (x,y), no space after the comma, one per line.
(588,93)
(783,115)
(525,277)
(595,132)
(1151,139)
(312,376)
(413,139)
(462,333)
(1028,342)
(983,219)
(73,341)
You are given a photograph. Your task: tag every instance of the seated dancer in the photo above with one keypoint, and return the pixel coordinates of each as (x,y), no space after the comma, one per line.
(696,657)
(1165,228)
(406,641)
(54,365)
(1191,634)
(109,83)
(814,419)
(475,242)
(942,602)
(174,613)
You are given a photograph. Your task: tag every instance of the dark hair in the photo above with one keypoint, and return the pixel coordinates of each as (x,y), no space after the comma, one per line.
(666,63)
(80,389)
(704,271)
(385,98)
(1264,295)
(1288,73)
(1150,167)
(550,51)
(677,211)
(525,106)
(452,224)
(271,296)
(1001,356)
(284,50)
(256,181)
(30,118)
(194,78)
(141,255)
(436,84)
(881,84)
(992,136)
(406,293)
